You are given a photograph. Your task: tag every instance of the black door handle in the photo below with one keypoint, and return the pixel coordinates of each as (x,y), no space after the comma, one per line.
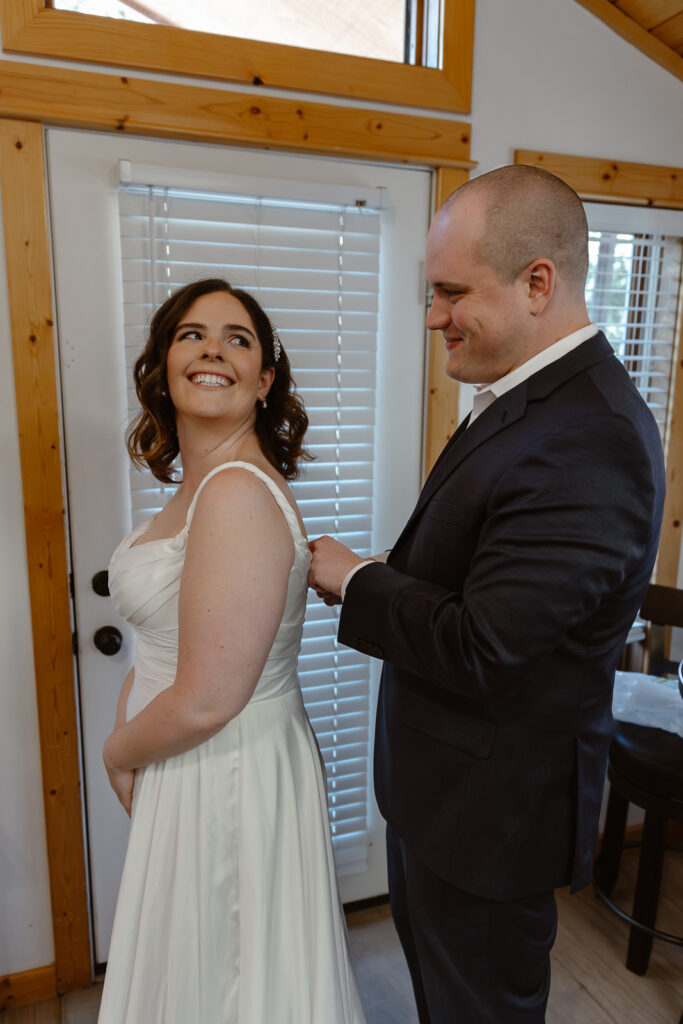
(100,583)
(108,640)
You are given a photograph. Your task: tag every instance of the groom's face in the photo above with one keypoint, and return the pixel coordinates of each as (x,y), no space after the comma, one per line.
(484,321)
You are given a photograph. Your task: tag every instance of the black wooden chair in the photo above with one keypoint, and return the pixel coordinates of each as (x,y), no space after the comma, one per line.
(645,768)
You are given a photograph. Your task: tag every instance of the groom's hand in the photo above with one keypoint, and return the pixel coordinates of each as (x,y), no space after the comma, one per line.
(329,567)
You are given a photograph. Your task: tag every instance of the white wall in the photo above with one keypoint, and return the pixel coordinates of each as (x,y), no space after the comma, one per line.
(547,76)
(26,929)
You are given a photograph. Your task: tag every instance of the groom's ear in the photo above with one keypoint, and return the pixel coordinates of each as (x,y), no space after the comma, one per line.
(539,280)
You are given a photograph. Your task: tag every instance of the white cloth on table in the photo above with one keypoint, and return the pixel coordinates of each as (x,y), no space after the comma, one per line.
(648,700)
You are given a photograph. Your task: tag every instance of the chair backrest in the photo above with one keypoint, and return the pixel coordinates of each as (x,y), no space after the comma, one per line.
(662,607)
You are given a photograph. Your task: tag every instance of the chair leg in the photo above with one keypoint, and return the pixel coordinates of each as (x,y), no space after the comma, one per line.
(607,864)
(647,890)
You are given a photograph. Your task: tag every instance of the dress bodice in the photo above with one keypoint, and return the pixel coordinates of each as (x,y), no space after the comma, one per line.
(144,582)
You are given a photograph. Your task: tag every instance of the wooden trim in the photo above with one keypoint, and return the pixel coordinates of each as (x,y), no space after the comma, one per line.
(86,99)
(29,27)
(670,540)
(442,393)
(614,180)
(31,317)
(661,187)
(458,52)
(28,987)
(419,31)
(632,32)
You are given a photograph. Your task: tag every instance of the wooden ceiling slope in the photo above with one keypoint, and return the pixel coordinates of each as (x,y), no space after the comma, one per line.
(653,26)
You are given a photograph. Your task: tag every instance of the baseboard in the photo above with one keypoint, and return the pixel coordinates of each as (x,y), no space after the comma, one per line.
(633,834)
(27,987)
(367,904)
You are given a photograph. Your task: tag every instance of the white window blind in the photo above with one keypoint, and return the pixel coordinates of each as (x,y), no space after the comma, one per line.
(632,292)
(313,265)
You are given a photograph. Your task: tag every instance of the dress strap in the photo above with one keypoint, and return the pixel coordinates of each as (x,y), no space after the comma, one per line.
(286,509)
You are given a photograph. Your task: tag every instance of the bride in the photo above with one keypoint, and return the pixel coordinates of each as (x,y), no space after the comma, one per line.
(228,911)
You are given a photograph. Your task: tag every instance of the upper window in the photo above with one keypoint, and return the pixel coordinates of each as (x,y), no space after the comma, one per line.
(365,28)
(410,52)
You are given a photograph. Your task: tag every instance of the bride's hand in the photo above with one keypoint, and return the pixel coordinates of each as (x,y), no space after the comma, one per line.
(121,781)
(122,784)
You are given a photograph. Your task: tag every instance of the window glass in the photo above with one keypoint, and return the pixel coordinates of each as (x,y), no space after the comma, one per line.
(363,28)
(633,292)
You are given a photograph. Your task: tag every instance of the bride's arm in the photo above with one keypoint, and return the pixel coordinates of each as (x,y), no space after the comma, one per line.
(232,595)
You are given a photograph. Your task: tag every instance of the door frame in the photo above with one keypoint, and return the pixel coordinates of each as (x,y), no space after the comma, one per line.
(33,97)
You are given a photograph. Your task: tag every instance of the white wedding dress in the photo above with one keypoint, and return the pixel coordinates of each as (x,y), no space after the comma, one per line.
(228,911)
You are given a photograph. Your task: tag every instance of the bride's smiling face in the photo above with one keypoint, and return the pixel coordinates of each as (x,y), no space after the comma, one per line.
(214,361)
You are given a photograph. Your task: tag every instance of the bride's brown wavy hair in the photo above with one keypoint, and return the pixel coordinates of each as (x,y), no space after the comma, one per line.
(280,427)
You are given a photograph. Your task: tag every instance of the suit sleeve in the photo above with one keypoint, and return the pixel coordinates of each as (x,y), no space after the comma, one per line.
(573,515)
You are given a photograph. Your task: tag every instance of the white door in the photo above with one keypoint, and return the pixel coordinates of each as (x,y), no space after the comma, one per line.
(84,173)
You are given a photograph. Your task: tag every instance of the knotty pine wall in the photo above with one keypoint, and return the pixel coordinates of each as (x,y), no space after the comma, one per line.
(547,76)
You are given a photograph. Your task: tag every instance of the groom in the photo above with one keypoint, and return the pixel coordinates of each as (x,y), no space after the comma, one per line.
(504,604)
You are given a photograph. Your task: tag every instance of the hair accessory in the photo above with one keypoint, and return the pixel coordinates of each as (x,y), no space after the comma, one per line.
(277,346)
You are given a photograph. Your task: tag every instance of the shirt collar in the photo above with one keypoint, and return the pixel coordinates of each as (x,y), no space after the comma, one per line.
(485,394)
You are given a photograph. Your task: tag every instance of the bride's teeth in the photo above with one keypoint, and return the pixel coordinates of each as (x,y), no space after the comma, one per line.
(209,378)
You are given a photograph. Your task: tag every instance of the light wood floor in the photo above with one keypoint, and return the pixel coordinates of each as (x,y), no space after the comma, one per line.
(590,982)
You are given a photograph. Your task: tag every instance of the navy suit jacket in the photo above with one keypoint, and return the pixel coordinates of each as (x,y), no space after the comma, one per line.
(500,616)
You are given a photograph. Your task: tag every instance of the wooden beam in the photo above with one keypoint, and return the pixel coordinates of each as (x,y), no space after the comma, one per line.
(28,987)
(649,13)
(85,99)
(29,27)
(442,392)
(671,32)
(635,34)
(614,180)
(22,179)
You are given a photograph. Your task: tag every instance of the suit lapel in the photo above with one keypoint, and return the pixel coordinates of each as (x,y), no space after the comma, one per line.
(505,411)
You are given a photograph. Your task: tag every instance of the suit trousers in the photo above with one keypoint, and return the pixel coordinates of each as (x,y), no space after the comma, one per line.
(472,960)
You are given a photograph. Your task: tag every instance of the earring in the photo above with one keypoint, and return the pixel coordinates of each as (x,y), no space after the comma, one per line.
(264,404)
